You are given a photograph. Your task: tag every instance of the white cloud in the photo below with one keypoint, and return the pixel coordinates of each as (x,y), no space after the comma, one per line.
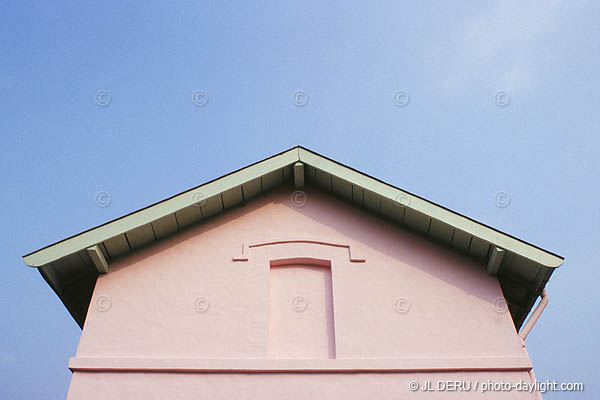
(505,47)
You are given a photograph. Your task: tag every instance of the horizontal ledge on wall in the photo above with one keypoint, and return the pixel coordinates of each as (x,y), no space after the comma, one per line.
(299,365)
(245,256)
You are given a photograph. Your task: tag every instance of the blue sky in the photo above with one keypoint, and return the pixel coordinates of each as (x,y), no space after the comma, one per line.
(452,143)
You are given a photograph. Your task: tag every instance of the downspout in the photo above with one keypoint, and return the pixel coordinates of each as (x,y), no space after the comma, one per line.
(535,315)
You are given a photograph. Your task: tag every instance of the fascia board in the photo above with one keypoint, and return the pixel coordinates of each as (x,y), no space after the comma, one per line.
(151,213)
(432,210)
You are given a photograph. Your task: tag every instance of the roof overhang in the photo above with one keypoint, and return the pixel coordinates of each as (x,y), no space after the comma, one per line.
(71,265)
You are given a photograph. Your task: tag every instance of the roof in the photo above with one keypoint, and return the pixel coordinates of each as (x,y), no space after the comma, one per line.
(72,265)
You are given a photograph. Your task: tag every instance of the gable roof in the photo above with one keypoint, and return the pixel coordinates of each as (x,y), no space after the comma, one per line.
(72,265)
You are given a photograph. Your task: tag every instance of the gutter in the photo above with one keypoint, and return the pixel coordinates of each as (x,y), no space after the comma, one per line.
(535,315)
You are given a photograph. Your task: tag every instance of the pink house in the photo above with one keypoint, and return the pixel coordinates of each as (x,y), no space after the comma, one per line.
(298,278)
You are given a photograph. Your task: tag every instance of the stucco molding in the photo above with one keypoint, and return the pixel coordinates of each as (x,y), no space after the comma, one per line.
(245,255)
(461,364)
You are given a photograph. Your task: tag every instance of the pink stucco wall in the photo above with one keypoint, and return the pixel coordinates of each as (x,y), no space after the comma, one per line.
(185,320)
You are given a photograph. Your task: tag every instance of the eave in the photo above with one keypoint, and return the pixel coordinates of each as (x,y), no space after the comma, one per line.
(72,265)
